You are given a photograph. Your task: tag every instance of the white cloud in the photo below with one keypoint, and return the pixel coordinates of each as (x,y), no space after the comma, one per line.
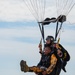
(13,10)
(9,43)
(16,10)
(19,32)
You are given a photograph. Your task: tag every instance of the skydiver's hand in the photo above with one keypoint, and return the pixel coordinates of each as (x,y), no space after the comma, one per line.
(40,46)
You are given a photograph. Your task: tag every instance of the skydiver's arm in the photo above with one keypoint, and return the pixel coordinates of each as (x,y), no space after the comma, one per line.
(53,64)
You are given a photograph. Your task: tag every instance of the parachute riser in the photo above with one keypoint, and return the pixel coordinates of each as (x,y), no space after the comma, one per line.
(58,29)
(61,19)
(41,27)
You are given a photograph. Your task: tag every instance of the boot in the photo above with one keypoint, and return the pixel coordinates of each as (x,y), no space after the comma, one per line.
(24,66)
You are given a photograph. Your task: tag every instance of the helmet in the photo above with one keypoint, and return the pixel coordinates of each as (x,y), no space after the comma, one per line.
(51,38)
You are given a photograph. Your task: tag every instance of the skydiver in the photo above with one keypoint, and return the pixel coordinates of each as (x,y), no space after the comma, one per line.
(46,66)
(61,52)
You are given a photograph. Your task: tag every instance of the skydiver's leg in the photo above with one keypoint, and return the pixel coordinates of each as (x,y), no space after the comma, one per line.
(26,68)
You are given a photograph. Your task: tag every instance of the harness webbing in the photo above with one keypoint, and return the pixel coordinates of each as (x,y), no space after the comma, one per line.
(58,29)
(42,31)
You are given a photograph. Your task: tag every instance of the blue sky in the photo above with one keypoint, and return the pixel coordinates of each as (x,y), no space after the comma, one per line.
(20,36)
